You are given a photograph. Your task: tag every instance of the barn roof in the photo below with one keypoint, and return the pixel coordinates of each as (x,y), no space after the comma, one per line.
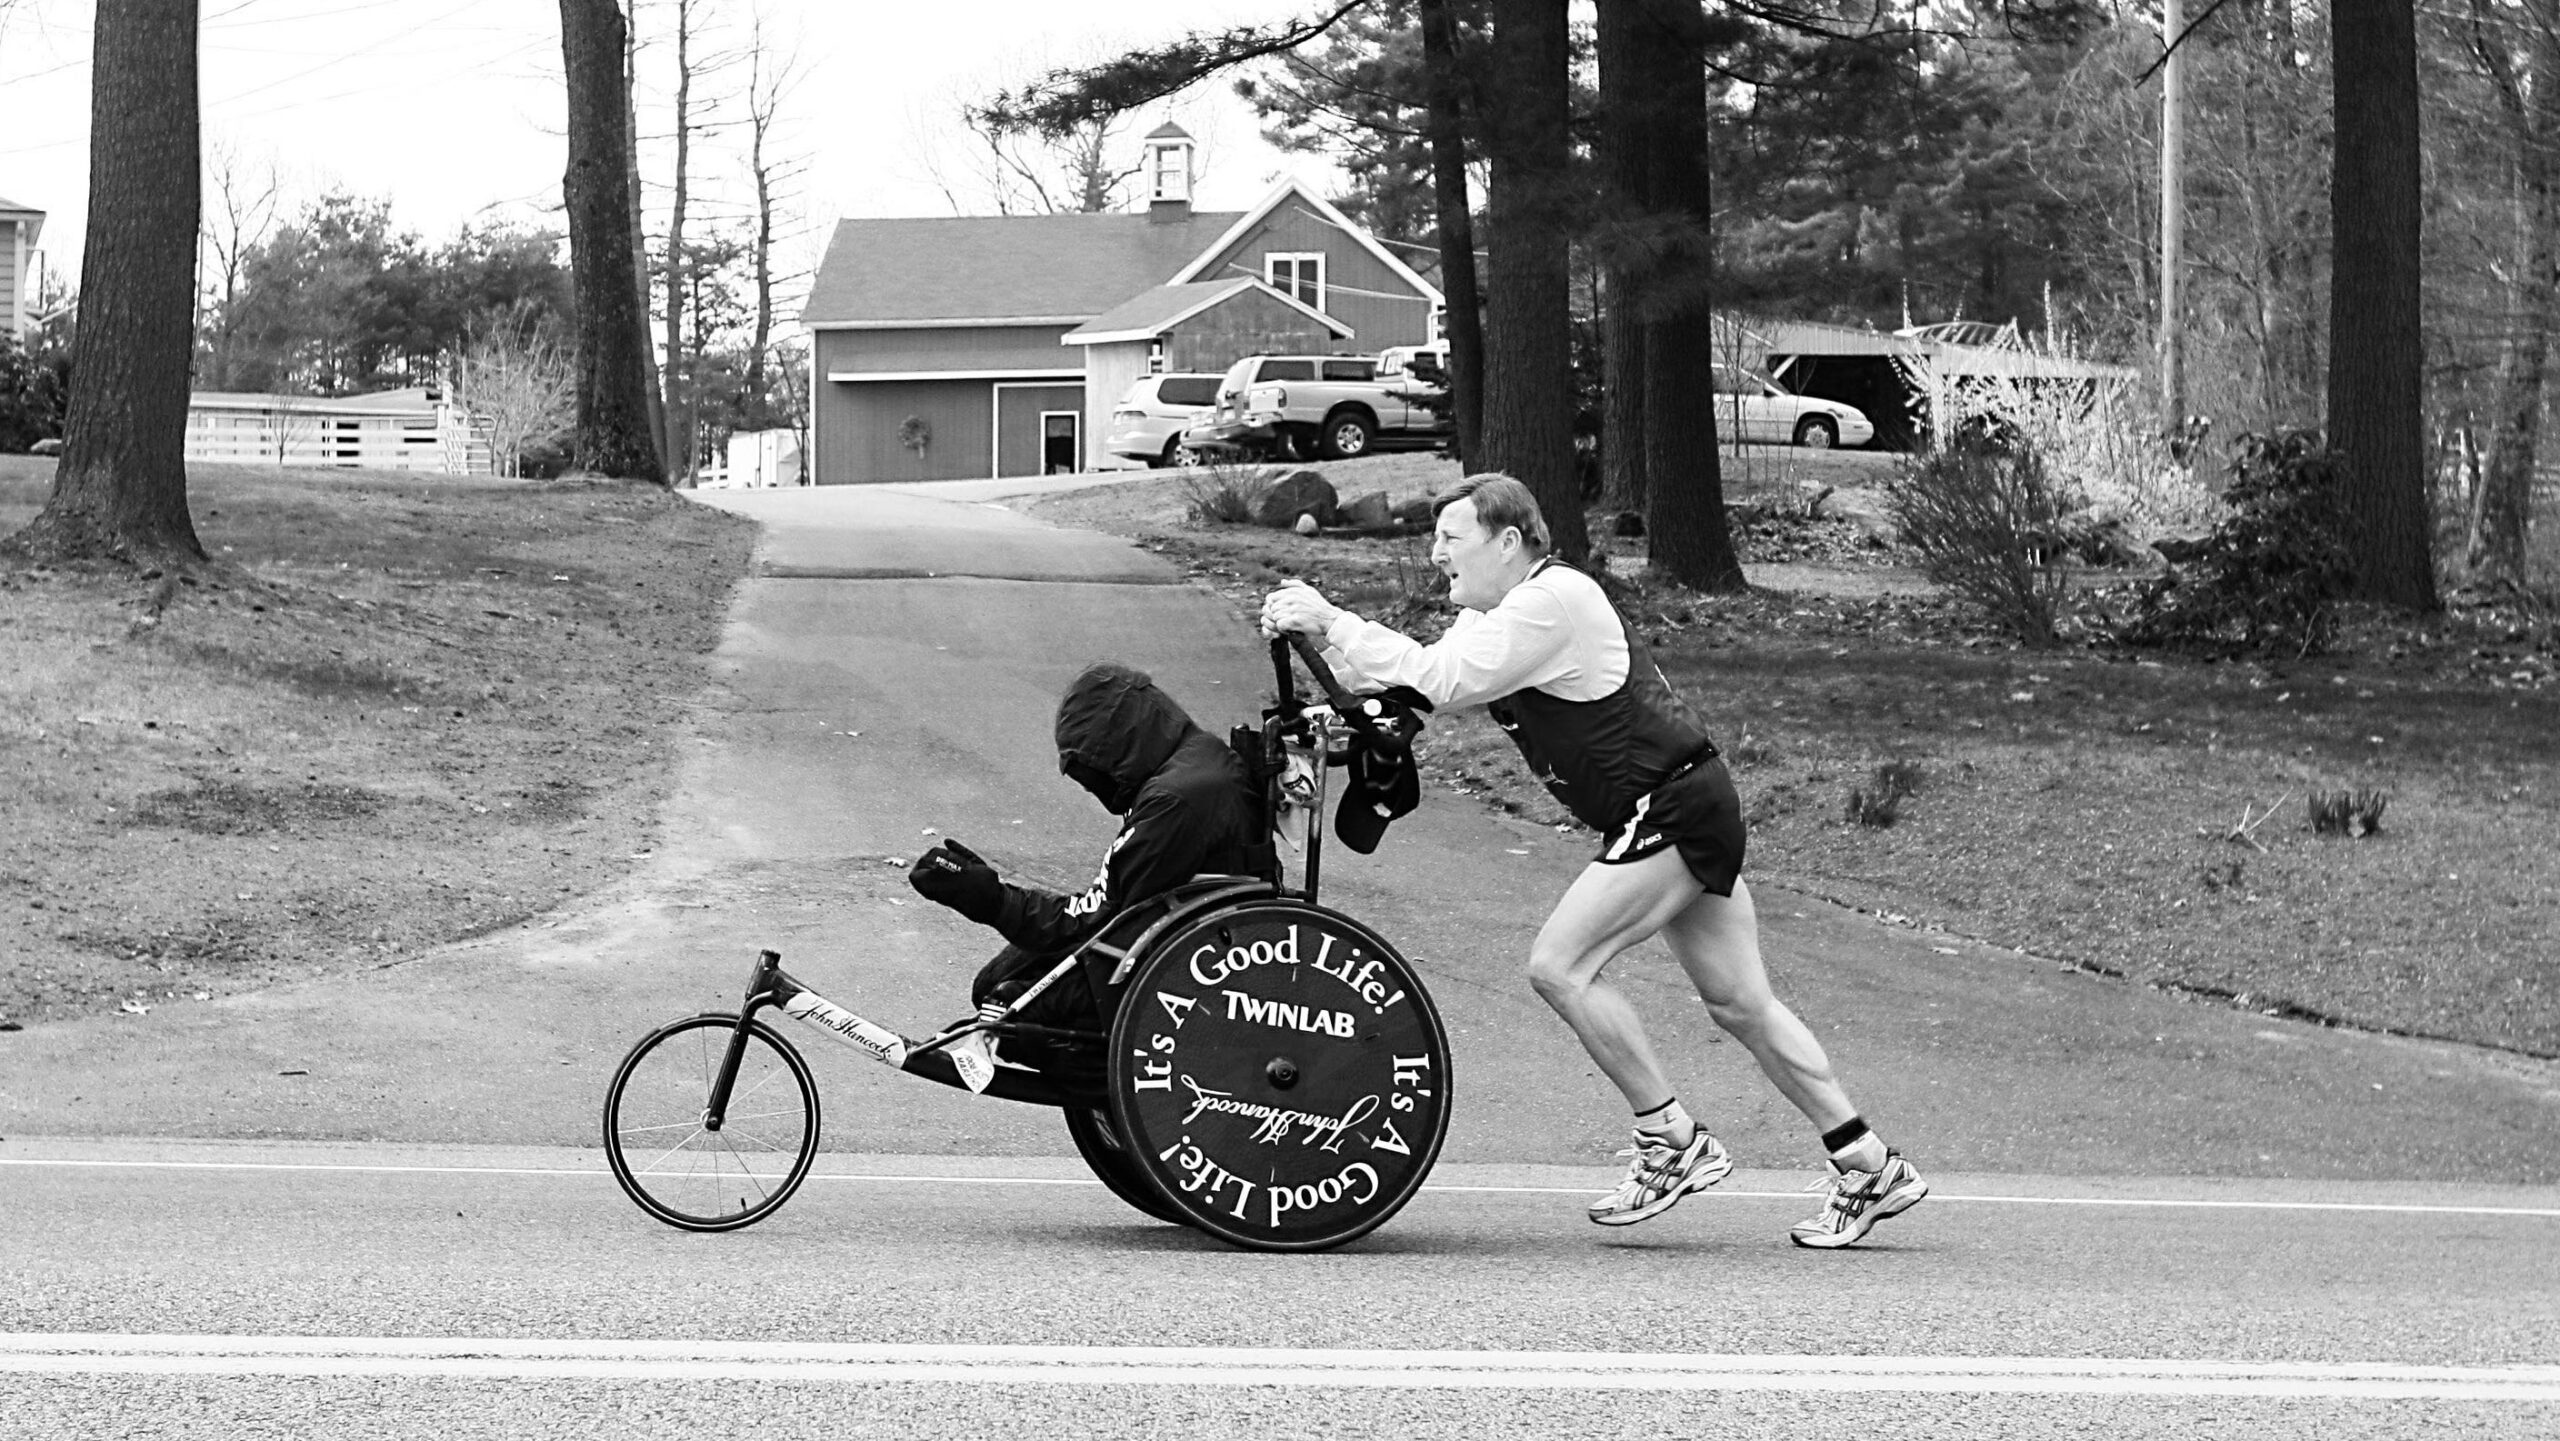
(990,270)
(1146,316)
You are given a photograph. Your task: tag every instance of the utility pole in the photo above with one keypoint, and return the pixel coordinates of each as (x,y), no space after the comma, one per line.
(2173,207)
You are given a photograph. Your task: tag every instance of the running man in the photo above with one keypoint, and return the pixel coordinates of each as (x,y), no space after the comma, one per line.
(1538,643)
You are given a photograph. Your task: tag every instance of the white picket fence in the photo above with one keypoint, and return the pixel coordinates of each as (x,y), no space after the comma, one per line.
(411,429)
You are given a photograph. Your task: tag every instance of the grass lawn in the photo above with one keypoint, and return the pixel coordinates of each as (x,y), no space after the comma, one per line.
(405,710)
(2079,803)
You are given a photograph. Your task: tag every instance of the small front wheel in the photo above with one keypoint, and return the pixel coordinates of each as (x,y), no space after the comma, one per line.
(673,1162)
(1817,432)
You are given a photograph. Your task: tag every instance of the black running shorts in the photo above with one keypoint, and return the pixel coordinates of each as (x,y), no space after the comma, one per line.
(1697,811)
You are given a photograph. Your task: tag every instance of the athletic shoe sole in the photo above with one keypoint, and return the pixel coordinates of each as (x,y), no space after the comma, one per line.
(1893,1203)
(1698,1180)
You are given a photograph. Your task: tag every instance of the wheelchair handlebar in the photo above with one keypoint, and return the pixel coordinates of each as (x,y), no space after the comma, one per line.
(1344,703)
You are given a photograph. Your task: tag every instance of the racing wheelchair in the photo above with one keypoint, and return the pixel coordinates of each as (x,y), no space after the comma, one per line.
(1270,1071)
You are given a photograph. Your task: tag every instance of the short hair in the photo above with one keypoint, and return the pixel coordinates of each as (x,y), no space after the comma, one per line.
(1500,501)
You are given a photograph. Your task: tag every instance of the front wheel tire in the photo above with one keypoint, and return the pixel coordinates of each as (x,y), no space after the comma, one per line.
(1817,432)
(1346,437)
(668,1158)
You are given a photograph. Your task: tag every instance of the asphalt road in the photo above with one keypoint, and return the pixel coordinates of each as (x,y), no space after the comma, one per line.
(890,676)
(296,1290)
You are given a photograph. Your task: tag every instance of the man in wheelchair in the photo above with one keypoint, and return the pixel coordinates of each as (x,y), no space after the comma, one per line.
(1189,807)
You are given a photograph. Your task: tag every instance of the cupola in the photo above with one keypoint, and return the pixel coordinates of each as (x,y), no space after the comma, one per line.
(1168,172)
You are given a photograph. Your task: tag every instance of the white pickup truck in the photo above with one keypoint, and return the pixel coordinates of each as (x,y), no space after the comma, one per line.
(1292,407)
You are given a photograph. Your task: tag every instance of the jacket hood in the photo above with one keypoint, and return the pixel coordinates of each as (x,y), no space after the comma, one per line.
(1115,730)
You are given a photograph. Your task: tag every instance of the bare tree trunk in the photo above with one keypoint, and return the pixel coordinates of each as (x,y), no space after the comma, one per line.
(640,223)
(1528,383)
(2376,384)
(763,262)
(679,442)
(1687,537)
(243,208)
(2504,518)
(1464,324)
(768,77)
(615,435)
(1627,117)
(121,489)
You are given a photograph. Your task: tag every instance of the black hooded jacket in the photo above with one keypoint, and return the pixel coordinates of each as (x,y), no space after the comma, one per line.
(1188,803)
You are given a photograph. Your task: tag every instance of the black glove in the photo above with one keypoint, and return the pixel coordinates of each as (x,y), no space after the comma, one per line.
(951,874)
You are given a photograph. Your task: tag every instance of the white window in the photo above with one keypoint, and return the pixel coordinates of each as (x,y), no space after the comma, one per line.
(1299,275)
(1171,172)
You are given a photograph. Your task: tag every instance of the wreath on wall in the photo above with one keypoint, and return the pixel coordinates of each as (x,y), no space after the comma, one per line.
(915,434)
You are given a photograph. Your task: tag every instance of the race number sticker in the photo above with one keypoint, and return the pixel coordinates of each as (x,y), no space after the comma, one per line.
(1281,1073)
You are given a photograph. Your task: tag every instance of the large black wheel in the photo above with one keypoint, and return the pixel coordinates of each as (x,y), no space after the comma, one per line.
(1280,1075)
(1346,435)
(1098,1141)
(1817,432)
(673,1162)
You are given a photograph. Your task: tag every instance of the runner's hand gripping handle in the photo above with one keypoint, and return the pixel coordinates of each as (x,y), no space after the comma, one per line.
(1386,722)
(1344,703)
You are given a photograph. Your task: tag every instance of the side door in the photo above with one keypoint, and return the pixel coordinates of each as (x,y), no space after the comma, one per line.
(1737,419)
(1349,376)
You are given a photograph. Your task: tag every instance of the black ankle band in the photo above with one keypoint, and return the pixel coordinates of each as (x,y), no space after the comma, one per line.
(1848,1133)
(1667,1103)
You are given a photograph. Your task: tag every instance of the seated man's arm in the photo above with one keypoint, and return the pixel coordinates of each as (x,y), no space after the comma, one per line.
(1159,848)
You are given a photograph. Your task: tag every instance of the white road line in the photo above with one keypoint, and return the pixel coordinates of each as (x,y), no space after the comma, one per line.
(651,1360)
(902,1178)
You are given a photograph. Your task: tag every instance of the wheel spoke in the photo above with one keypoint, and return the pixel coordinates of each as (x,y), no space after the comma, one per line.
(627,1130)
(744,1169)
(680,1148)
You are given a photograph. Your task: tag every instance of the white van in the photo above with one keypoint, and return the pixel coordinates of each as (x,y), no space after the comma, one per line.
(1148,422)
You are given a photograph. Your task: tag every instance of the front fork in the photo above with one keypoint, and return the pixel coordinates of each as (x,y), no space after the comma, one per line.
(760,993)
(769,985)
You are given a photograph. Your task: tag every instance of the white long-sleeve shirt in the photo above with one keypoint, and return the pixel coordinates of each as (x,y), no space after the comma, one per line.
(1554,632)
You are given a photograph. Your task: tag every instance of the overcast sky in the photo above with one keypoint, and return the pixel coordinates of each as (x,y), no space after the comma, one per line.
(452,109)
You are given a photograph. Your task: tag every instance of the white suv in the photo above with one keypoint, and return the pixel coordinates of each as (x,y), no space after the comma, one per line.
(1147,424)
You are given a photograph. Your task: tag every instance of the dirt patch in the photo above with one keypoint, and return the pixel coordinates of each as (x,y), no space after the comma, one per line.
(404,710)
(2135,814)
(223,808)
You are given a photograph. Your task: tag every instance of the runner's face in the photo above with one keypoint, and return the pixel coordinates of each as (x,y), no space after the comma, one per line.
(1477,564)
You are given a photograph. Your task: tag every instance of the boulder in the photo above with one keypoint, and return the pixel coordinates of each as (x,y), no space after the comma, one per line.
(1369,512)
(1414,511)
(1298,493)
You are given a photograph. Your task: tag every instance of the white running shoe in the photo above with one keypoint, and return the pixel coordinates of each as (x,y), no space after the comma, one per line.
(1659,1175)
(1859,1199)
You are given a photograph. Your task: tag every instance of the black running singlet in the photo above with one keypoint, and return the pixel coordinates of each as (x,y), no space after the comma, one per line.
(1599,757)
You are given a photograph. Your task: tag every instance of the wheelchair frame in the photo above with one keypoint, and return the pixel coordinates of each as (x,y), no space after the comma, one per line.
(1259,1153)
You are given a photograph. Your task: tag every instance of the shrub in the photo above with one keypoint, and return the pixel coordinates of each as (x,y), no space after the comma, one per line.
(2270,575)
(1223,494)
(1984,519)
(1878,803)
(2094,435)
(35,389)
(2347,813)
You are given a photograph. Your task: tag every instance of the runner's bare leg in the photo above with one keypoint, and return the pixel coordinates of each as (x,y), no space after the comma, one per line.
(1717,941)
(1606,910)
